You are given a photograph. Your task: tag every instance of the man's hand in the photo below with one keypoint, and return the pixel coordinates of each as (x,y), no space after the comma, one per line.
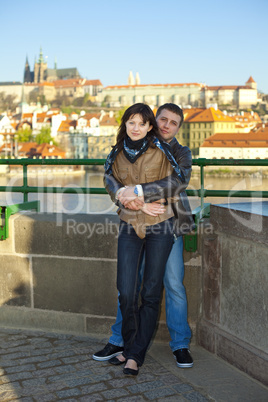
(128,195)
(153,208)
(133,206)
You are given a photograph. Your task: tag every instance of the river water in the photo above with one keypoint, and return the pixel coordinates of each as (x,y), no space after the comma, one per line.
(98,204)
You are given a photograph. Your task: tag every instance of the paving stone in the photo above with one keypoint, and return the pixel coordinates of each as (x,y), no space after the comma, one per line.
(8,395)
(84,373)
(55,386)
(35,359)
(20,376)
(91,398)
(32,391)
(4,380)
(17,369)
(145,386)
(122,382)
(44,372)
(78,381)
(10,386)
(46,398)
(15,355)
(34,383)
(136,398)
(159,392)
(60,378)
(68,392)
(114,393)
(97,378)
(64,369)
(170,379)
(88,389)
(50,363)
(74,359)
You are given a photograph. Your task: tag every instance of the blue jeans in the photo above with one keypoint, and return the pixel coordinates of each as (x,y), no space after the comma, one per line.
(176,302)
(139,322)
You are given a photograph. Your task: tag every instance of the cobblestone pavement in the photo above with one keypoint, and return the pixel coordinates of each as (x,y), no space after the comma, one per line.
(40,366)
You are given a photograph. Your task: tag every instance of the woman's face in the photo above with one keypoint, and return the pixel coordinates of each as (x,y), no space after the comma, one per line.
(136,129)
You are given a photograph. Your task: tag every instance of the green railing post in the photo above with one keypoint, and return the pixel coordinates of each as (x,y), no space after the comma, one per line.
(25,183)
(202,192)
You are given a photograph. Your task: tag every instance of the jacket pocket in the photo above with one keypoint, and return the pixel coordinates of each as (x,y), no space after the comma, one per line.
(123,175)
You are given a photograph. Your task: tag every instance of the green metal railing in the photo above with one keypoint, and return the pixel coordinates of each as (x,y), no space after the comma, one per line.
(25,189)
(199,213)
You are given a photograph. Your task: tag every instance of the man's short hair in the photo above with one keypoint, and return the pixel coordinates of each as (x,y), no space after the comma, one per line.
(172,108)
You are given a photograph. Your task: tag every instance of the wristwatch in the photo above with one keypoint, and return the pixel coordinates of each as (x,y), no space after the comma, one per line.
(138,190)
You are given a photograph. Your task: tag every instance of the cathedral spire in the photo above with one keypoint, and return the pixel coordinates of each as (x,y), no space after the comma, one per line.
(27,72)
(41,59)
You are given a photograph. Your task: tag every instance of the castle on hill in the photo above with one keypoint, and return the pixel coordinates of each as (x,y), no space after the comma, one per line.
(41,72)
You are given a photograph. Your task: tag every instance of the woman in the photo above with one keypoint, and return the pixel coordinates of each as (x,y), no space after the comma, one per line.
(140,157)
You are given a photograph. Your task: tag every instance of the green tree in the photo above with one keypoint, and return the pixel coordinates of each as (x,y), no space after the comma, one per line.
(24,134)
(119,115)
(44,137)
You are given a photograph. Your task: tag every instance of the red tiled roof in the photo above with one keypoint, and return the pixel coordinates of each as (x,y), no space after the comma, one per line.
(154,85)
(207,115)
(89,116)
(108,121)
(75,82)
(250,80)
(66,124)
(238,140)
(226,87)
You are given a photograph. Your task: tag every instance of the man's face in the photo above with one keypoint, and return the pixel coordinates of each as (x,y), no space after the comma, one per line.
(168,124)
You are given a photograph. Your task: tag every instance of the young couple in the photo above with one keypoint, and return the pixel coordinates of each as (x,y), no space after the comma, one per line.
(146,174)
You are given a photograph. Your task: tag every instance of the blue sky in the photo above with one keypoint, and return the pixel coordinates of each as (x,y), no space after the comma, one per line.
(167,41)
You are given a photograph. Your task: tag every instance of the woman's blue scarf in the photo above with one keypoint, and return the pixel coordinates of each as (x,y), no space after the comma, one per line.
(163,146)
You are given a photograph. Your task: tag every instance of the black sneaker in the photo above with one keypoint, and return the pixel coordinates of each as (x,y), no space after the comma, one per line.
(183,357)
(108,352)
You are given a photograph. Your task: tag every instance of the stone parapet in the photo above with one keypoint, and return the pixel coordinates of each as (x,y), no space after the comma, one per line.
(58,273)
(235,292)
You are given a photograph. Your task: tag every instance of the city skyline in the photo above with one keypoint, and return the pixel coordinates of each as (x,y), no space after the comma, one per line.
(164,42)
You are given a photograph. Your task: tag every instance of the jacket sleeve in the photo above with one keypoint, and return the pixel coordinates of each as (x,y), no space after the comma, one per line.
(111,186)
(171,186)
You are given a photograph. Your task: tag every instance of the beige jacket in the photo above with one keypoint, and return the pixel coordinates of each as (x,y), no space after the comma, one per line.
(152,165)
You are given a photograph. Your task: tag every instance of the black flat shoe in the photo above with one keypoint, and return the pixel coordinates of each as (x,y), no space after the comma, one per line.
(129,371)
(115,361)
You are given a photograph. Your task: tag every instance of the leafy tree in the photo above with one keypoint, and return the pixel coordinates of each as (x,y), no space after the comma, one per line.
(24,134)
(61,101)
(44,137)
(7,101)
(119,114)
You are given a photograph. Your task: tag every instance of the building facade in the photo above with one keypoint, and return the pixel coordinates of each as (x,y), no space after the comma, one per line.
(252,145)
(200,124)
(238,96)
(154,94)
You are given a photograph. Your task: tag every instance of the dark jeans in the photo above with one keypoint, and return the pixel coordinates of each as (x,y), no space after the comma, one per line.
(139,322)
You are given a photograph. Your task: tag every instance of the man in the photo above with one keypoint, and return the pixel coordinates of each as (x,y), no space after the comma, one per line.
(169,119)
